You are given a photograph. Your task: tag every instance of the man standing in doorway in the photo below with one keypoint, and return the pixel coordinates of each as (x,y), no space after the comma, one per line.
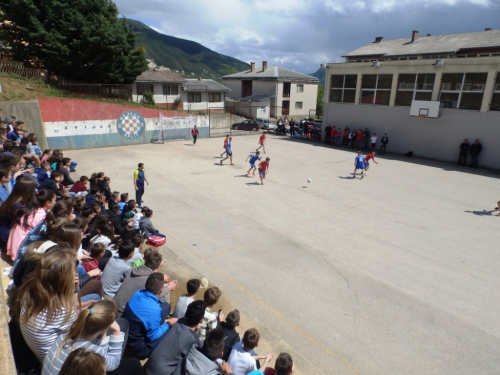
(139,179)
(475,150)
(464,149)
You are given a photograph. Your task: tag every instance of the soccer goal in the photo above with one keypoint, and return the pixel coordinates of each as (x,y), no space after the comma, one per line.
(166,123)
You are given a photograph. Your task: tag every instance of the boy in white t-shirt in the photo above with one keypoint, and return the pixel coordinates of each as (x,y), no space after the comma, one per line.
(138,216)
(374,140)
(241,360)
(183,302)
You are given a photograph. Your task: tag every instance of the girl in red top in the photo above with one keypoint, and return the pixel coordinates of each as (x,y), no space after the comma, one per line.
(332,136)
(370,156)
(262,140)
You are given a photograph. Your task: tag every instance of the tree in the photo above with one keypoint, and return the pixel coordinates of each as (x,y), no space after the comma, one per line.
(80,40)
(319,102)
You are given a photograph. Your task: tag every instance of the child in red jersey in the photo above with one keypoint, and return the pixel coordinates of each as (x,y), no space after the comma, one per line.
(225,145)
(96,252)
(263,168)
(262,140)
(370,156)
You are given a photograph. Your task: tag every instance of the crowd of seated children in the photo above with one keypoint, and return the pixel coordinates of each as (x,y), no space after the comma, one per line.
(85,296)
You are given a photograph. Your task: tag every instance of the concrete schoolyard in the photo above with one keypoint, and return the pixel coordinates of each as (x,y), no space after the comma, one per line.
(397,273)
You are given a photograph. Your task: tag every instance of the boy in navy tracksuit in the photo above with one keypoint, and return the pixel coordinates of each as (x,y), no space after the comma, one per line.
(146,315)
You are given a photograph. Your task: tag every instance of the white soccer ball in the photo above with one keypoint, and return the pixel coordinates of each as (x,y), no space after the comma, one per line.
(309,180)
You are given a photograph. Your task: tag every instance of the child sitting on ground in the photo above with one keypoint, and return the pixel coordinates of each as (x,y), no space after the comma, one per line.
(183,302)
(146,226)
(123,201)
(283,366)
(211,319)
(96,252)
(242,360)
(80,186)
(42,173)
(231,337)
(129,211)
(138,216)
(116,269)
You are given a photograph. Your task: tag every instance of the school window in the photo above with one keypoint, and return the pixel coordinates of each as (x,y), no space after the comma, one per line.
(298,105)
(194,97)
(170,90)
(414,87)
(343,88)
(214,97)
(376,89)
(462,90)
(141,89)
(495,100)
(300,88)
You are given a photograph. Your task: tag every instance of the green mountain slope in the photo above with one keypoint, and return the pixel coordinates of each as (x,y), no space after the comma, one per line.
(184,55)
(320,74)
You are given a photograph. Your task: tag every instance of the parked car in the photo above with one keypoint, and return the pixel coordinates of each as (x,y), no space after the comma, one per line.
(246,125)
(265,124)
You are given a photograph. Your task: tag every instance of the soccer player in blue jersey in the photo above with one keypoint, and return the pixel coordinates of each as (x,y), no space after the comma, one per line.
(253,159)
(359,163)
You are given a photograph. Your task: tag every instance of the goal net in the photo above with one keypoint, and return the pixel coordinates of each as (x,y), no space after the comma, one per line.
(172,123)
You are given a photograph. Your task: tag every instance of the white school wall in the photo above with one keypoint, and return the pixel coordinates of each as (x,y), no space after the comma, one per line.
(437,139)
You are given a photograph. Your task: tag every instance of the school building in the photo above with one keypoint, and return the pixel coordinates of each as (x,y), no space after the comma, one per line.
(453,82)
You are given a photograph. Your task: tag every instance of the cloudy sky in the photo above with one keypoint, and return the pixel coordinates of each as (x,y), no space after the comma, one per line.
(301,34)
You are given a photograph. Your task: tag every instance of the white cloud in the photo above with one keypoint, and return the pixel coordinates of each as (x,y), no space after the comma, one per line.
(301,34)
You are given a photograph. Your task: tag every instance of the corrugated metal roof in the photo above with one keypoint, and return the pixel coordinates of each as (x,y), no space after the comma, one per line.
(255,98)
(272,73)
(430,44)
(204,85)
(159,76)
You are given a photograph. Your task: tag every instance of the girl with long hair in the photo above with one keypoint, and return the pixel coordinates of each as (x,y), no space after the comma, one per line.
(89,332)
(22,195)
(28,217)
(47,303)
(41,232)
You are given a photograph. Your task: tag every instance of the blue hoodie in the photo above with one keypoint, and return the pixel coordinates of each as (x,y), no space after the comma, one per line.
(144,315)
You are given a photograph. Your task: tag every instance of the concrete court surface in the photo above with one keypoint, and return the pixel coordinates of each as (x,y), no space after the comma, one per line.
(397,273)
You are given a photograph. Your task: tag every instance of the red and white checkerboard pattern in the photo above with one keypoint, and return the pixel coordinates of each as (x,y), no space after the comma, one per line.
(130,125)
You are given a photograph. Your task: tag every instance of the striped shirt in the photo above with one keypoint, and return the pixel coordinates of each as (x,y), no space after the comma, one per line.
(209,323)
(110,347)
(40,335)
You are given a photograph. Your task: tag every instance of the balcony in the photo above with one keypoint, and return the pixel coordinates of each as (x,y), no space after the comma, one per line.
(286,94)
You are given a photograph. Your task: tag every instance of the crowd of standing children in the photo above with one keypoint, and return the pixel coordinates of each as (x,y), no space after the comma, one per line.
(86,294)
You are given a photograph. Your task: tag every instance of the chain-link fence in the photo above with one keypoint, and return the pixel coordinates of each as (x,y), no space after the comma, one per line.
(100,91)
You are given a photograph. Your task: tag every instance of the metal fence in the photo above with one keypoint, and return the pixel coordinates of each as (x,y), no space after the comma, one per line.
(102,91)
(16,67)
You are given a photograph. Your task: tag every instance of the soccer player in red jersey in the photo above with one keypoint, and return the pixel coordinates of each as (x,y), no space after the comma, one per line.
(370,156)
(225,145)
(262,140)
(263,168)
